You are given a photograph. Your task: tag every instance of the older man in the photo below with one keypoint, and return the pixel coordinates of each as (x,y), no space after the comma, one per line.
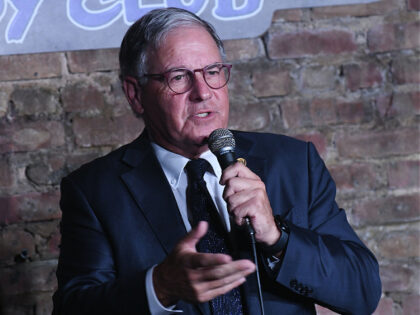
(136,238)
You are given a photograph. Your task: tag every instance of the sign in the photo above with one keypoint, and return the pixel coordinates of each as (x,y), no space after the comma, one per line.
(29,26)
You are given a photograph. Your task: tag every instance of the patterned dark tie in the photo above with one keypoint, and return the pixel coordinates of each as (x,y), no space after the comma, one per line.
(203,209)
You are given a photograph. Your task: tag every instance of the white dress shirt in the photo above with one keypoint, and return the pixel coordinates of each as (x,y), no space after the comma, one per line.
(173,166)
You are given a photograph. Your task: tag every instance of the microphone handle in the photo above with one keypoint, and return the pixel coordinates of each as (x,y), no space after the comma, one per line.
(225,159)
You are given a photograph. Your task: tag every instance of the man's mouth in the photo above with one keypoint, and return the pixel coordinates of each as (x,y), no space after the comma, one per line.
(203,114)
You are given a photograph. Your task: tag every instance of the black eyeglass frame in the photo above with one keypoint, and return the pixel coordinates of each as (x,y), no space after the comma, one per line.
(165,76)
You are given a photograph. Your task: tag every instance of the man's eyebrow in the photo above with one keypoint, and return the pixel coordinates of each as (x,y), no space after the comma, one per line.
(176,68)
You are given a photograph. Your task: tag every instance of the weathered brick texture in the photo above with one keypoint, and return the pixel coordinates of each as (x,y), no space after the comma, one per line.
(35,66)
(284,44)
(343,77)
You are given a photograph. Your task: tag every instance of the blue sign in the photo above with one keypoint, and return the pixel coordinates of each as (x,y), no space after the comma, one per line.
(28,26)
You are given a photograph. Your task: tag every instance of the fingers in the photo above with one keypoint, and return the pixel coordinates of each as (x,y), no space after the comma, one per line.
(203,260)
(238,184)
(194,236)
(209,294)
(190,258)
(237,170)
(219,274)
(214,281)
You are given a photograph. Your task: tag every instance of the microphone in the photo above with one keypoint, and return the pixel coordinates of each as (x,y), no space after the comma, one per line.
(222,143)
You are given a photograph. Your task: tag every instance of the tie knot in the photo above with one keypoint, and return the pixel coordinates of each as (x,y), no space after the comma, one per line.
(196,168)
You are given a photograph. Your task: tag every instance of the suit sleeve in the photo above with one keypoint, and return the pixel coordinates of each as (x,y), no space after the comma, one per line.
(325,260)
(87,280)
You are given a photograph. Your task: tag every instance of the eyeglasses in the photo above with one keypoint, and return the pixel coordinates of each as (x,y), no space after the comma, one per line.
(181,80)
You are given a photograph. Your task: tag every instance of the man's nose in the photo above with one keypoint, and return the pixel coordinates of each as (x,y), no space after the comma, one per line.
(200,90)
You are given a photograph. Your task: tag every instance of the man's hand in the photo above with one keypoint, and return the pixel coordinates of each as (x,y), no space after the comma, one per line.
(197,277)
(246,196)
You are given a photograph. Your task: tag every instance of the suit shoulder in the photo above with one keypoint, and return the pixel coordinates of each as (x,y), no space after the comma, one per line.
(271,141)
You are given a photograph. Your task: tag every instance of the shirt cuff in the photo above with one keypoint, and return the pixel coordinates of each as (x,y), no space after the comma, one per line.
(155,307)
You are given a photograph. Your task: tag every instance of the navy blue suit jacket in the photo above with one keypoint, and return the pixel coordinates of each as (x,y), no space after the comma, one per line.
(119,218)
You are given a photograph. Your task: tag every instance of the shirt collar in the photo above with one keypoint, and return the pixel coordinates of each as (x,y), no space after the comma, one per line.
(173,164)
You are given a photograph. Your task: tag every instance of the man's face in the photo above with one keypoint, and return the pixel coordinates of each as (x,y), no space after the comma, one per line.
(182,122)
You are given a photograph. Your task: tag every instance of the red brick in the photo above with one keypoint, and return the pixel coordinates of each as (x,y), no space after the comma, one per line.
(4,103)
(8,213)
(29,207)
(356,176)
(413,5)
(364,75)
(7,178)
(399,244)
(400,105)
(388,37)
(282,44)
(385,307)
(243,49)
(98,131)
(390,209)
(295,113)
(378,144)
(271,82)
(93,60)
(334,111)
(290,15)
(397,277)
(48,171)
(323,111)
(317,139)
(47,237)
(319,77)
(382,7)
(35,100)
(407,104)
(29,277)
(240,89)
(249,117)
(403,174)
(34,66)
(406,69)
(30,136)
(411,305)
(82,97)
(13,240)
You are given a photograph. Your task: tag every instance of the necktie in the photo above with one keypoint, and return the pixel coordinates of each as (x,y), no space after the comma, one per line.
(203,209)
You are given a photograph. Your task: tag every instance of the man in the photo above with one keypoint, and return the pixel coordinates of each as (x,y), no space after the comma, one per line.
(129,237)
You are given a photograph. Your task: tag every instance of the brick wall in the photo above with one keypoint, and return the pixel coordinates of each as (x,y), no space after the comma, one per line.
(345,77)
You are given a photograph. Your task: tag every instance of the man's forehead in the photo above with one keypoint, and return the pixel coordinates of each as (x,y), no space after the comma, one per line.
(184,47)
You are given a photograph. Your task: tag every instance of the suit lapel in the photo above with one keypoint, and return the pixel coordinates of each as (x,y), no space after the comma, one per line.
(254,161)
(148,186)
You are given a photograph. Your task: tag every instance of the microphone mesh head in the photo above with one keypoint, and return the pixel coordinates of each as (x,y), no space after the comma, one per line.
(220,139)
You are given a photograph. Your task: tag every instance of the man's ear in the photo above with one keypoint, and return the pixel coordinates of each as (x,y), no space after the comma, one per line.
(133,94)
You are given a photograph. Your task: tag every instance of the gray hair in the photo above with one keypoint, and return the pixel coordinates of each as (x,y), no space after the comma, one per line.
(150,31)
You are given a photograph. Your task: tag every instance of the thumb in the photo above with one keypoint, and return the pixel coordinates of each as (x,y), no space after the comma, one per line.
(192,238)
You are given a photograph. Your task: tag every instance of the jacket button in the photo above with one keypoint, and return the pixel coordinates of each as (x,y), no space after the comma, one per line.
(300,288)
